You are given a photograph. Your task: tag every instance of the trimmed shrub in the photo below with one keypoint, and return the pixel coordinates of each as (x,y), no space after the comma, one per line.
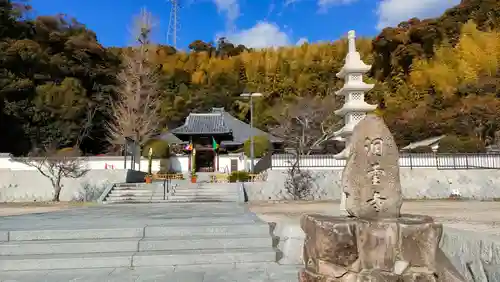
(261,146)
(461,144)
(239,176)
(423,149)
(161,149)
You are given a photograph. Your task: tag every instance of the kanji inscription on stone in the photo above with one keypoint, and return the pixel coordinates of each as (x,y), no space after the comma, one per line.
(375,173)
(372,171)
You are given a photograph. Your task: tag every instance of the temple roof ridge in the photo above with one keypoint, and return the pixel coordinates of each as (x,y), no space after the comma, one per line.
(219,122)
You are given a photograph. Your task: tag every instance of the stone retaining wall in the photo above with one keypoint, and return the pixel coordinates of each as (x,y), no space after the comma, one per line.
(30,186)
(418,183)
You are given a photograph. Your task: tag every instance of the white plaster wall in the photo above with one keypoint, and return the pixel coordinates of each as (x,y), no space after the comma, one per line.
(417,183)
(327,162)
(178,163)
(29,185)
(324,162)
(225,162)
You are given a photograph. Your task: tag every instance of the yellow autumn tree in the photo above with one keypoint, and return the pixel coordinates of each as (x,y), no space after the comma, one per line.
(477,54)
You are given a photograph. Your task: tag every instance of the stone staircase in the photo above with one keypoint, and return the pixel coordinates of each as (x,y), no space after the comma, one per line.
(200,240)
(175,192)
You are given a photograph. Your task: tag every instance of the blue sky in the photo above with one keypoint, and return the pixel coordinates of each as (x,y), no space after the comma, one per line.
(255,23)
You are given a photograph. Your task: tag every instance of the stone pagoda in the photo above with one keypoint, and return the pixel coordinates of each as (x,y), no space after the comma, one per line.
(355,107)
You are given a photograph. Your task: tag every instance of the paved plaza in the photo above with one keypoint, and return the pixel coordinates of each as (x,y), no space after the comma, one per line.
(123,218)
(213,273)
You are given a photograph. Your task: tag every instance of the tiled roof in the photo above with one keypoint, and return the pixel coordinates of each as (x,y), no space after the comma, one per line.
(424,143)
(242,130)
(220,121)
(170,138)
(203,123)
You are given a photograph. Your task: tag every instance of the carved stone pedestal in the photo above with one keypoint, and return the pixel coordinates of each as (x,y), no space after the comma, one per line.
(371,250)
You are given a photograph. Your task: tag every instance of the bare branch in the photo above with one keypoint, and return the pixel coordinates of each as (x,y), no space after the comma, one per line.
(86,126)
(55,163)
(135,111)
(304,126)
(307,123)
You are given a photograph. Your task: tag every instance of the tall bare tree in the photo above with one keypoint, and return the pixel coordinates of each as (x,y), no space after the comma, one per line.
(305,125)
(134,112)
(56,163)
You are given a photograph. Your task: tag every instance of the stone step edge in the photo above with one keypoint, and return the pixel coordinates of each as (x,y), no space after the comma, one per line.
(135,259)
(218,266)
(108,233)
(139,246)
(144,253)
(174,194)
(138,201)
(161,201)
(138,239)
(173,199)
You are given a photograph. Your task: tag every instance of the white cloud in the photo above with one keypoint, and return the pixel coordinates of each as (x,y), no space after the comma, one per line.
(392,12)
(323,4)
(290,2)
(327,3)
(301,41)
(231,8)
(262,35)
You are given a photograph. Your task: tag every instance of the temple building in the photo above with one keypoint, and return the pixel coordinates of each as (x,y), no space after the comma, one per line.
(205,136)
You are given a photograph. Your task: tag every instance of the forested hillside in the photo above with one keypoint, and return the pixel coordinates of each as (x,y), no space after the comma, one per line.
(436,76)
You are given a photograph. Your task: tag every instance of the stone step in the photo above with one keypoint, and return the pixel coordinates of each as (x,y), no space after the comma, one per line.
(131,192)
(153,201)
(134,244)
(219,185)
(124,193)
(190,228)
(131,201)
(241,272)
(138,196)
(171,198)
(227,198)
(206,191)
(202,193)
(138,187)
(135,259)
(128,185)
(159,196)
(209,186)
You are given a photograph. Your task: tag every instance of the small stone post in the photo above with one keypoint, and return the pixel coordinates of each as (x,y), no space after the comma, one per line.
(355,108)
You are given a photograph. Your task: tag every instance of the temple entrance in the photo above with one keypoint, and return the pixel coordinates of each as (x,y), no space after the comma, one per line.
(204,160)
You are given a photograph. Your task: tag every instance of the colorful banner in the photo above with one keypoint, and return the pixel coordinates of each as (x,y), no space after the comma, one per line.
(215,146)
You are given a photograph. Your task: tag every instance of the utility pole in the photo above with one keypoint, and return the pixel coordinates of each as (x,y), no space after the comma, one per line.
(252,154)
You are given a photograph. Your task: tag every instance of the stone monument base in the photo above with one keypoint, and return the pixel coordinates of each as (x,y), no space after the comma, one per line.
(387,249)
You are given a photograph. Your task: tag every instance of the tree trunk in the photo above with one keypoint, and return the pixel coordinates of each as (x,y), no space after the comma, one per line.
(57,191)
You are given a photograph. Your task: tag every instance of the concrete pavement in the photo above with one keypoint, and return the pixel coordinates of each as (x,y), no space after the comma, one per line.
(200,242)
